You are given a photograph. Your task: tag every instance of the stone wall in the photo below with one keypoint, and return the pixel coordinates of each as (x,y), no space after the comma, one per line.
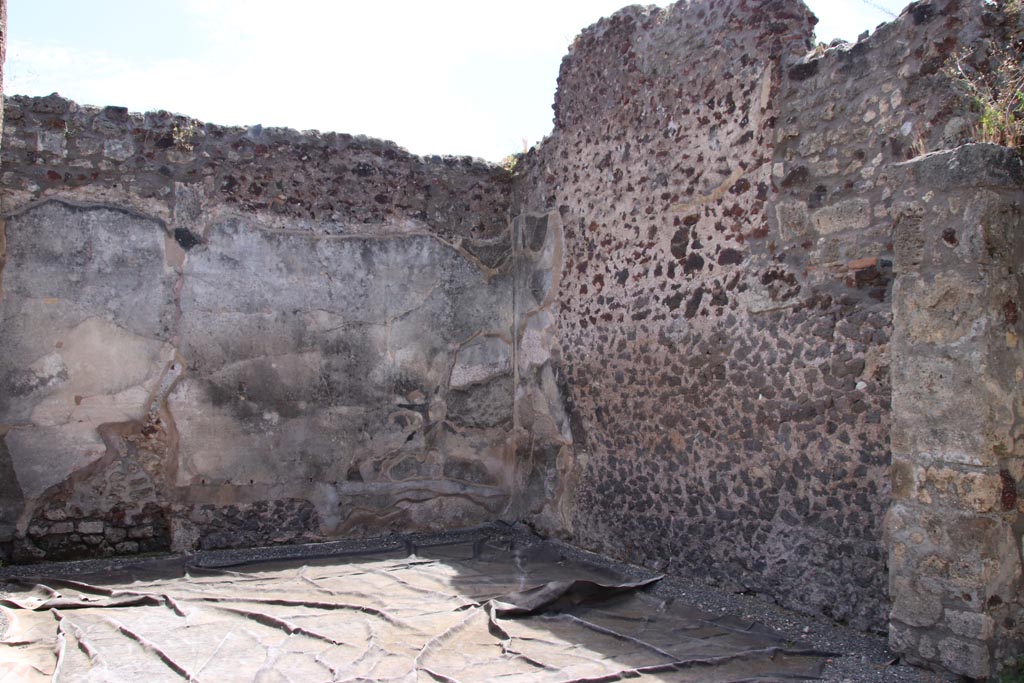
(669,336)
(724,312)
(10,495)
(957,521)
(3,55)
(223,336)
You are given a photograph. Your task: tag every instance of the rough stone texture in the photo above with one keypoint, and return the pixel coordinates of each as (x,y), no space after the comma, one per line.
(62,532)
(255,525)
(667,338)
(3,57)
(222,337)
(10,492)
(955,527)
(179,170)
(724,311)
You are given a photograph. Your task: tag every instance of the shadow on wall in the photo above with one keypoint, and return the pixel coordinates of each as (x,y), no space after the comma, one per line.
(332,385)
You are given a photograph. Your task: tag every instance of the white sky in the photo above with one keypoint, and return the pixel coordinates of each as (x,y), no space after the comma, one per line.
(465,77)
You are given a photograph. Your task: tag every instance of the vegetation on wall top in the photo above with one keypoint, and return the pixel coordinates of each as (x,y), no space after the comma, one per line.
(991,77)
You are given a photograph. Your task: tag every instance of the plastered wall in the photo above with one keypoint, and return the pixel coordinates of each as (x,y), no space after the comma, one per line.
(226,337)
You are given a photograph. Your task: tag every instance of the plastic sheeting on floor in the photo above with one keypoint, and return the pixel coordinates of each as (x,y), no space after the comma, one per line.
(473,611)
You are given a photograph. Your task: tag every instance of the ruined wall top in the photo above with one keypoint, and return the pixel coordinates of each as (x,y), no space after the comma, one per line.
(642,53)
(323,182)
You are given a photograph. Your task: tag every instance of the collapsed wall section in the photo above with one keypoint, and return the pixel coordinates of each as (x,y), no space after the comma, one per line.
(232,337)
(724,312)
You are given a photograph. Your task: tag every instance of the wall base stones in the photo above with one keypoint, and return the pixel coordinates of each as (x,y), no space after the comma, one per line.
(60,534)
(254,525)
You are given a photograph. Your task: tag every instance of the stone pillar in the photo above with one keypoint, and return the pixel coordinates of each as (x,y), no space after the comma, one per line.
(954,529)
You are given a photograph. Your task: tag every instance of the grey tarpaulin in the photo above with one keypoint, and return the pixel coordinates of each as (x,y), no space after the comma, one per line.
(489,609)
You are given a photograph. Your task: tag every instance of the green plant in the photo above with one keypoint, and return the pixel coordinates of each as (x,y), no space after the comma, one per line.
(991,76)
(997,96)
(510,162)
(183,132)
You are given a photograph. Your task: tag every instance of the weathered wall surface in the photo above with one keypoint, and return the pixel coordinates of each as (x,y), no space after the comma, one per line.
(677,352)
(10,495)
(957,520)
(544,439)
(3,54)
(222,336)
(724,311)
